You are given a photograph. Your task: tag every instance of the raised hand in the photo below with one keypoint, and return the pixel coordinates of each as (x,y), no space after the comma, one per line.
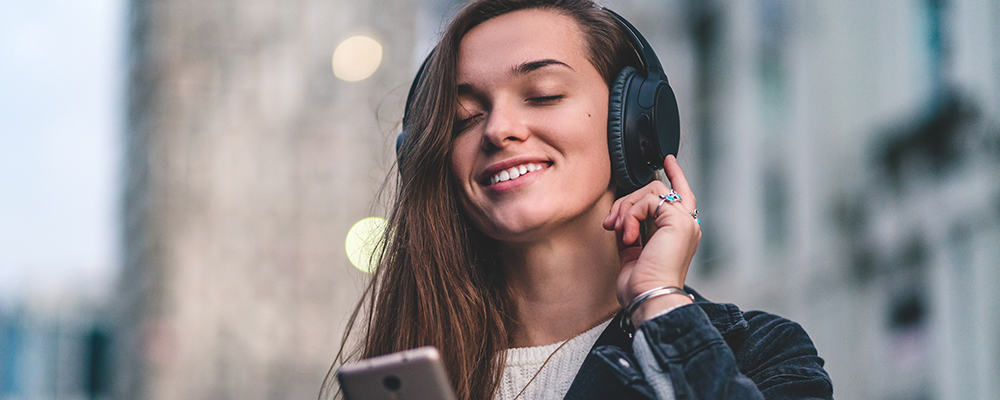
(664,260)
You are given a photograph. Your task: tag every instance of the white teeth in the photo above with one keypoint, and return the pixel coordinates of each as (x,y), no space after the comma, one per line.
(514,172)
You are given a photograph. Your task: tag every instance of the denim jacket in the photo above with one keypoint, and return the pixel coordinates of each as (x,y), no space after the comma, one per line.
(708,351)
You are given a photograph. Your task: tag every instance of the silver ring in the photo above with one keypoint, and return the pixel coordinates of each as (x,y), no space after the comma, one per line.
(694,214)
(663,199)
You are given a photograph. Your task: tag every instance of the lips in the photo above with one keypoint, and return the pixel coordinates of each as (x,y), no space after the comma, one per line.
(515,172)
(512,169)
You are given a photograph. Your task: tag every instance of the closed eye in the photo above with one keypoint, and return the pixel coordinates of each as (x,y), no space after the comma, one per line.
(545,99)
(463,124)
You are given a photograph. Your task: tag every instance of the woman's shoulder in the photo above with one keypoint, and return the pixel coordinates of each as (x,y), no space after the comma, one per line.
(716,340)
(760,334)
(768,348)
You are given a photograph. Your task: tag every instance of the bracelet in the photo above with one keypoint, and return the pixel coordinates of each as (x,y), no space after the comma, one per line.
(655,292)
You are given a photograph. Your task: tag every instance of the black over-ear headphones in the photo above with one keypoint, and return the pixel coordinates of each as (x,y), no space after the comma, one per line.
(643,123)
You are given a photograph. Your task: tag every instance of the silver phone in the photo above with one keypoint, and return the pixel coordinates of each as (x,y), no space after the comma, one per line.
(416,374)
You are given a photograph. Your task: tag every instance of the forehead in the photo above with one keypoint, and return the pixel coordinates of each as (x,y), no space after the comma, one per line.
(502,42)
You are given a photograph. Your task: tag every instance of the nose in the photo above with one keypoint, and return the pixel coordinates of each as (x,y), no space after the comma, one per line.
(505,125)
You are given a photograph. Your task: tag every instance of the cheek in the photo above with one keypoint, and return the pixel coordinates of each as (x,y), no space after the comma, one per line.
(460,167)
(461,159)
(598,159)
(598,136)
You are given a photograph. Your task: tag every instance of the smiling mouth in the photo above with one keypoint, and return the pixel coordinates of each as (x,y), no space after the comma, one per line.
(516,172)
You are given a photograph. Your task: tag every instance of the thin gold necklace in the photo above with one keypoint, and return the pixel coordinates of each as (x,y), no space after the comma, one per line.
(554,353)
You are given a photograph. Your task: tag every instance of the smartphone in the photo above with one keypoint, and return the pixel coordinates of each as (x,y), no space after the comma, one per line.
(416,374)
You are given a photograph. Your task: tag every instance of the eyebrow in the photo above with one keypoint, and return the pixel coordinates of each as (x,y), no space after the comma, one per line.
(521,69)
(530,66)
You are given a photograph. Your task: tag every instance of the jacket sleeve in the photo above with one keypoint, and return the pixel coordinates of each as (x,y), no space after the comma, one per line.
(762,357)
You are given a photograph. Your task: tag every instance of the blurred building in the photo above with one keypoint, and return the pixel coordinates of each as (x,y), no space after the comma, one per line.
(844,154)
(845,157)
(246,163)
(54,349)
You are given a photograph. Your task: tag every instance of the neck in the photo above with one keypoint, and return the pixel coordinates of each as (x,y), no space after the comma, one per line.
(564,283)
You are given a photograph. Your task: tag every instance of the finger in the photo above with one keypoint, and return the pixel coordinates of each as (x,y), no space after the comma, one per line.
(630,230)
(622,204)
(670,212)
(678,181)
(620,234)
(621,229)
(626,204)
(639,211)
(624,228)
(609,221)
(654,188)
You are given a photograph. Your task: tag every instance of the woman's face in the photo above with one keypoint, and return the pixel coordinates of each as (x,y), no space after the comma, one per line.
(530,152)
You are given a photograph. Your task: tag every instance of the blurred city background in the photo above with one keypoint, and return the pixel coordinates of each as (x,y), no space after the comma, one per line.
(179,179)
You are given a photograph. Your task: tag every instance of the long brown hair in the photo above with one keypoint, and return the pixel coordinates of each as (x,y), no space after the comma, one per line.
(436,281)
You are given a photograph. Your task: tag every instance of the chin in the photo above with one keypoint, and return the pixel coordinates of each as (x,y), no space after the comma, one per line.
(529,218)
(513,228)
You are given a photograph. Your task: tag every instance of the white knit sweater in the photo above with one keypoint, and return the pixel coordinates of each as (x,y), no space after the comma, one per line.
(554,379)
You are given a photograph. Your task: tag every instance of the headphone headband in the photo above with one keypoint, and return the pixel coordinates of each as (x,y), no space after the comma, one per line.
(650,62)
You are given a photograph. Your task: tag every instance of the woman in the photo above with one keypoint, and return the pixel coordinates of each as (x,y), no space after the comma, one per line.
(509,251)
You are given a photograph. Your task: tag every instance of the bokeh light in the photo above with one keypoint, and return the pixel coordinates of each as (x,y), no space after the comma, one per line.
(362,241)
(356,58)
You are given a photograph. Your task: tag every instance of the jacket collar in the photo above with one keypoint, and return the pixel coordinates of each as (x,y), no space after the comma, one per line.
(613,350)
(726,318)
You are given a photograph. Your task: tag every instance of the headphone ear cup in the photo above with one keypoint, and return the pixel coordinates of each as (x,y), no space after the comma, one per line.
(616,130)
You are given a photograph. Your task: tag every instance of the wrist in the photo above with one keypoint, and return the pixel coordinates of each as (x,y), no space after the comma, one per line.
(658,306)
(668,296)
(637,290)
